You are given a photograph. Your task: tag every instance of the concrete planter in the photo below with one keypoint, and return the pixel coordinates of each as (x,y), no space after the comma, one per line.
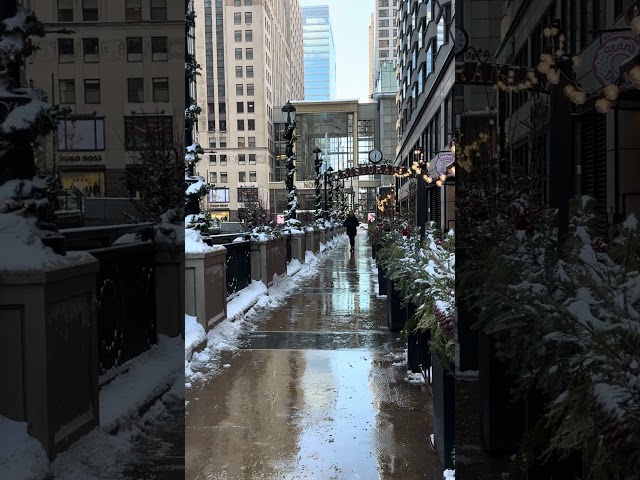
(169,289)
(298,245)
(308,241)
(49,351)
(316,243)
(268,261)
(205,287)
(323,237)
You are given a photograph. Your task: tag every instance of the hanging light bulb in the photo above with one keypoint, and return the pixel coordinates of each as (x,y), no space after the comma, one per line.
(611,92)
(428,164)
(443,177)
(635,24)
(603,105)
(453,170)
(546,58)
(579,97)
(544,67)
(576,61)
(634,74)
(554,31)
(501,85)
(568,90)
(439,183)
(553,76)
(547,32)
(425,177)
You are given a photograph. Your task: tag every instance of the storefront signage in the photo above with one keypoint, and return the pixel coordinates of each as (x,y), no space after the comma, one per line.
(614,51)
(80,158)
(369,170)
(443,161)
(219,205)
(478,73)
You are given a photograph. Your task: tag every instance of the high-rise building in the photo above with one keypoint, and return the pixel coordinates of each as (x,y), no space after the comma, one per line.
(251,58)
(319,54)
(426,124)
(382,44)
(121,73)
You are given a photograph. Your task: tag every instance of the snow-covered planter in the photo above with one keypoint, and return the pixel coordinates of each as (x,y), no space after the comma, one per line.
(566,314)
(265,234)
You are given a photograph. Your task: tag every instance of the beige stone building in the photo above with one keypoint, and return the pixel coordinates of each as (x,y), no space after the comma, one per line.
(252,63)
(382,41)
(121,73)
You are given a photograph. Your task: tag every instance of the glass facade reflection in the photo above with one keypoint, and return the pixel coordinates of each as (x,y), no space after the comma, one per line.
(319,54)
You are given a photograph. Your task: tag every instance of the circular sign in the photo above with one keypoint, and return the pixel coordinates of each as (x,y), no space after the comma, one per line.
(443,161)
(461,40)
(612,53)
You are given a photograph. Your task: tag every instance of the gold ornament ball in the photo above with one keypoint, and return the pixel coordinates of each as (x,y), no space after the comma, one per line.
(576,61)
(634,74)
(611,92)
(603,105)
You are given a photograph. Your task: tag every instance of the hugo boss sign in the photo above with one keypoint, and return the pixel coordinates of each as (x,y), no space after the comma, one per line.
(80,158)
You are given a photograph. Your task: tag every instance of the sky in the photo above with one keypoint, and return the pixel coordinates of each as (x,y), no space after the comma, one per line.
(350,26)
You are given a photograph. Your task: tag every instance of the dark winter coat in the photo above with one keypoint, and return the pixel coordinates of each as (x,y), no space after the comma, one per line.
(351,223)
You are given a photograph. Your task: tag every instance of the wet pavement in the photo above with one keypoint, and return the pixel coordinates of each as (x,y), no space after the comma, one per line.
(316,391)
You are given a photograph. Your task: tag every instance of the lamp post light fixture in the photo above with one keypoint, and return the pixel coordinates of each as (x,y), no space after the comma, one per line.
(318,164)
(327,178)
(289,116)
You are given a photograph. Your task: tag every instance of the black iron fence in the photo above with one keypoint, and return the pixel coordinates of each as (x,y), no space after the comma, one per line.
(126,303)
(238,266)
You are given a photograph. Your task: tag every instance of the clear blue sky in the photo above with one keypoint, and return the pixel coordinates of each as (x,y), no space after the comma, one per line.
(350,25)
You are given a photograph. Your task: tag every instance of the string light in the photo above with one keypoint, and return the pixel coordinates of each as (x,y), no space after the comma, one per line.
(611,92)
(603,105)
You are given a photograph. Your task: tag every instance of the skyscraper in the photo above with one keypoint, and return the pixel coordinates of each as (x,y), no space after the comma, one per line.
(251,58)
(383,33)
(319,54)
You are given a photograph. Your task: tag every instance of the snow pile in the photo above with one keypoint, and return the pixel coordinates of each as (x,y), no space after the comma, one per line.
(169,230)
(195,244)
(309,257)
(265,234)
(293,267)
(246,298)
(194,335)
(414,378)
(21,455)
(449,475)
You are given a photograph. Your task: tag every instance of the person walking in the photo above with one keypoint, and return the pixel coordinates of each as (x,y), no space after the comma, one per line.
(352,224)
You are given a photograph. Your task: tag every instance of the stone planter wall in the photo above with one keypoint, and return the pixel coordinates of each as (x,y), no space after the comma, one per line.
(268,261)
(298,245)
(169,290)
(49,351)
(316,242)
(205,287)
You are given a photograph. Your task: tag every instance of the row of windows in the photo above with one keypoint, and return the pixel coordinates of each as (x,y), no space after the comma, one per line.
(249,142)
(248,52)
(248,35)
(135,90)
(242,159)
(237,18)
(240,71)
(91,49)
(242,177)
(91,13)
(236,3)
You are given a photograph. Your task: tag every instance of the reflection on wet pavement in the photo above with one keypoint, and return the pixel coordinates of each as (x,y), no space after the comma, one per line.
(314,392)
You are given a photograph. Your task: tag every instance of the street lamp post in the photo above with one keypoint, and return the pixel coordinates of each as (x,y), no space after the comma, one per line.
(318,165)
(289,115)
(327,176)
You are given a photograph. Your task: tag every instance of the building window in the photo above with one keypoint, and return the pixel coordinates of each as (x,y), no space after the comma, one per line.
(65,10)
(213,177)
(383,23)
(213,159)
(247,3)
(383,3)
(67,91)
(236,3)
(158,10)
(92,91)
(237,18)
(248,35)
(134,49)
(253,177)
(223,178)
(248,18)
(211,126)
(161,89)
(251,124)
(135,90)
(242,158)
(238,72)
(238,54)
(249,71)
(250,107)
(384,53)
(249,53)
(242,177)
(240,125)
(383,33)
(223,128)
(133,11)
(143,132)
(220,194)
(383,13)
(240,107)
(89,10)
(383,43)
(80,134)
(223,160)
(237,35)
(239,89)
(159,49)
(250,89)
(252,156)
(247,195)
(65,50)
(447,22)
(91,50)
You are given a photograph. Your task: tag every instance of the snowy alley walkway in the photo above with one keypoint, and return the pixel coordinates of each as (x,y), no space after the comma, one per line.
(314,392)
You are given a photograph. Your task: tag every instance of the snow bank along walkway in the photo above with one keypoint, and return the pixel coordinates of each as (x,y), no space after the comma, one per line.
(314,387)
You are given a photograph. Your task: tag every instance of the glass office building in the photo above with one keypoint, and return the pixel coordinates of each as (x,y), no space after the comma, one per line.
(319,54)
